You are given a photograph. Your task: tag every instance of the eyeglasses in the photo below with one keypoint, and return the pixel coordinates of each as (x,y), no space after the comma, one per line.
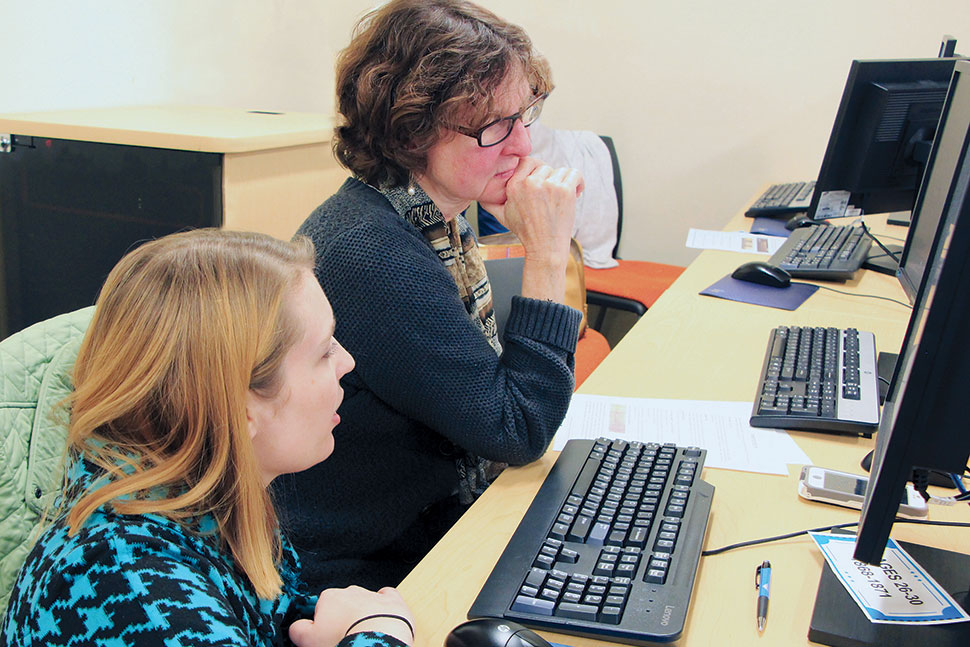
(496,132)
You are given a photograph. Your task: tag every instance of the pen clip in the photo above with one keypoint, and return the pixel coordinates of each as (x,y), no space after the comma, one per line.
(757,575)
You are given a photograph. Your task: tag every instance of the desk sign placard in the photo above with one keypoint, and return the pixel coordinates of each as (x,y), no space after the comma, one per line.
(898,591)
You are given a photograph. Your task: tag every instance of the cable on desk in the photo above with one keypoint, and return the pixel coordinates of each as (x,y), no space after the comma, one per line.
(868,296)
(765,540)
(896,238)
(958,482)
(893,255)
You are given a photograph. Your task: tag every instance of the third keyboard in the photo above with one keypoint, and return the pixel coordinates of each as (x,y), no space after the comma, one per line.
(819,379)
(826,252)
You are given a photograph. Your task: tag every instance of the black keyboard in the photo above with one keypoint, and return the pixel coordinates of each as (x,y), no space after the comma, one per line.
(610,545)
(826,252)
(819,379)
(783,200)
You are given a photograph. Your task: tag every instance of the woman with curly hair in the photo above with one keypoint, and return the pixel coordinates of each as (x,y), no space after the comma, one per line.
(435,99)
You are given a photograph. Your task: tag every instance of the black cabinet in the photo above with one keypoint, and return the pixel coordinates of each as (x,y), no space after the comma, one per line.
(69,210)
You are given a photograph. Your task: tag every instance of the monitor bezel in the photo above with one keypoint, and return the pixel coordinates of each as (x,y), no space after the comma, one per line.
(911,282)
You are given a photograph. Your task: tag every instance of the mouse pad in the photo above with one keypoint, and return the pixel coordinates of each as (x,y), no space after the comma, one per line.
(761,295)
(770,227)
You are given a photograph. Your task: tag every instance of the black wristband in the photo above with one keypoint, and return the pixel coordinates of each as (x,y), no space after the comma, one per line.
(382,615)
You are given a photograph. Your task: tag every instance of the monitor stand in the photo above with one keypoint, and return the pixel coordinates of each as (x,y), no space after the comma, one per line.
(885,368)
(838,621)
(880,261)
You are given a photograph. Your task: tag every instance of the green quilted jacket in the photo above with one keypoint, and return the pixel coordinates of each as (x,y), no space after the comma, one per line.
(35,366)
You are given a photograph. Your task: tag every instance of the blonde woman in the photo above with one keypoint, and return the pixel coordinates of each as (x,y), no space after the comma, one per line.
(208,370)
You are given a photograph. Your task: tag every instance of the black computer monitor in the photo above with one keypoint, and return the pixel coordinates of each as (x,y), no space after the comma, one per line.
(924,422)
(948,46)
(935,192)
(883,131)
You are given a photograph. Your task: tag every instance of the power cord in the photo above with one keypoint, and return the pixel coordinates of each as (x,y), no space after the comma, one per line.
(868,296)
(893,255)
(755,542)
(896,238)
(958,482)
(921,477)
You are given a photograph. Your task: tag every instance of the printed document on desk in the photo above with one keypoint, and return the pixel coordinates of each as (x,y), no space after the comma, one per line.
(719,427)
(733,241)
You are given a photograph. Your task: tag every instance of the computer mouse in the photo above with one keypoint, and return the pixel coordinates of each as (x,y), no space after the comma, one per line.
(801,220)
(493,632)
(763,274)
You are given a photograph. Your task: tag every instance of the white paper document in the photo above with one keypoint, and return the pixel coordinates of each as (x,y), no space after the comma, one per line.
(719,427)
(898,591)
(733,241)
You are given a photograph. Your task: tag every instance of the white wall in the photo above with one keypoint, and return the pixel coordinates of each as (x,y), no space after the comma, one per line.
(707,100)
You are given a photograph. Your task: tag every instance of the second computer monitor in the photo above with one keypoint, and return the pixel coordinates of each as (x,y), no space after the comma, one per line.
(924,423)
(936,189)
(883,131)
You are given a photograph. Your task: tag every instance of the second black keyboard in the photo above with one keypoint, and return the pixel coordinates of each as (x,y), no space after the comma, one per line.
(783,199)
(610,545)
(819,379)
(826,252)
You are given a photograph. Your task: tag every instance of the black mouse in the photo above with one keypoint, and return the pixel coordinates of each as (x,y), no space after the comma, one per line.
(493,632)
(801,220)
(763,274)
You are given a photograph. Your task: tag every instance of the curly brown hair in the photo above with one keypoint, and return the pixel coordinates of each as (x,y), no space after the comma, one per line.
(414,66)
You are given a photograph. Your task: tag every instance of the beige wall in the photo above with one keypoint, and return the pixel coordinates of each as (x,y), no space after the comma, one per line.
(707,100)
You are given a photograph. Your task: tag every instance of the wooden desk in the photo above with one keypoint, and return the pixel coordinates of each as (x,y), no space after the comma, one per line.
(693,347)
(78,188)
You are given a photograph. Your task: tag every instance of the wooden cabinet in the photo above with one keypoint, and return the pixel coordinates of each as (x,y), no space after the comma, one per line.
(79,188)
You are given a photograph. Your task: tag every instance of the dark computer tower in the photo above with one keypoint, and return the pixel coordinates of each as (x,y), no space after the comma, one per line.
(69,210)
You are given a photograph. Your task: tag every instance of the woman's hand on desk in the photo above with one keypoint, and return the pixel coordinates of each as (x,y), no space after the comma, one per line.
(338,612)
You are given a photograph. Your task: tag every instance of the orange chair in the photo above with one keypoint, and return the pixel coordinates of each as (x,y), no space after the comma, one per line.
(632,286)
(591,349)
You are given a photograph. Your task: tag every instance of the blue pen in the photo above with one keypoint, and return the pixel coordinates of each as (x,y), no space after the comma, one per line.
(762,581)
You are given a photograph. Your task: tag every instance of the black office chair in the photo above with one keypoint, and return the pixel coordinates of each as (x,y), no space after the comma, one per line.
(631,286)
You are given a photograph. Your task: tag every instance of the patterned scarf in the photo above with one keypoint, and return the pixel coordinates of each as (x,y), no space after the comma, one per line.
(454,243)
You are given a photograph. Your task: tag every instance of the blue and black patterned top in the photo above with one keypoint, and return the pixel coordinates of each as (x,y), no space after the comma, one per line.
(148,580)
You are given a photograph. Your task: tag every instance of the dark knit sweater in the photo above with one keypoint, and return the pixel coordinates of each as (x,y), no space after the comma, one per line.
(426,383)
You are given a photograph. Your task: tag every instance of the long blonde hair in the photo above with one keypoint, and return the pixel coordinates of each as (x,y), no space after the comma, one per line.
(185,326)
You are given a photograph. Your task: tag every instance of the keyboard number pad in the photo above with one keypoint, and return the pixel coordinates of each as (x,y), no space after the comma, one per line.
(850,365)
